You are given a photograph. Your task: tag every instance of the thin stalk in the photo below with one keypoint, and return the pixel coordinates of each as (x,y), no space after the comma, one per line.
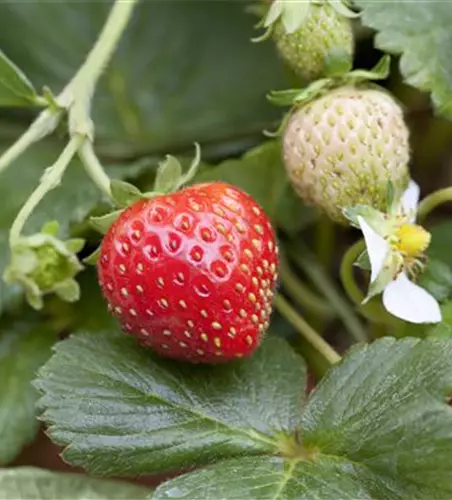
(85,80)
(303,257)
(324,241)
(94,168)
(373,311)
(348,280)
(44,124)
(431,201)
(306,331)
(50,180)
(300,293)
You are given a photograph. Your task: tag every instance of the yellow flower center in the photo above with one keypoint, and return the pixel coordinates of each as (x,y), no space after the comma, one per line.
(412,240)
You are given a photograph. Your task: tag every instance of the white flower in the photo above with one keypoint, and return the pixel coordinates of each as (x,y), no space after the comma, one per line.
(396,246)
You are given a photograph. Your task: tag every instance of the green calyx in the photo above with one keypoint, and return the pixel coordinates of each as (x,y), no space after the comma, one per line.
(43,264)
(381,222)
(339,73)
(169,178)
(292,15)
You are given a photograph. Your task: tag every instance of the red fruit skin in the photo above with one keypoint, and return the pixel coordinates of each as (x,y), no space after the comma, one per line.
(192,274)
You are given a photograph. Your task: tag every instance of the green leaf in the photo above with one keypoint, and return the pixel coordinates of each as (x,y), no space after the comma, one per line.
(51,228)
(274,12)
(124,193)
(71,202)
(75,245)
(423,37)
(136,413)
(341,7)
(29,483)
(286,97)
(441,242)
(443,330)
(68,290)
(193,168)
(294,14)
(261,173)
(300,97)
(102,223)
(24,347)
(15,88)
(272,478)
(178,76)
(363,261)
(93,257)
(379,72)
(384,408)
(437,279)
(373,217)
(168,175)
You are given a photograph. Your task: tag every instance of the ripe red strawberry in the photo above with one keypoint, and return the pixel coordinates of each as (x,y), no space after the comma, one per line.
(191,274)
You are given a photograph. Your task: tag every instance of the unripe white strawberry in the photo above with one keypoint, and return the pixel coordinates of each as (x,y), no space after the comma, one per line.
(343,148)
(325,32)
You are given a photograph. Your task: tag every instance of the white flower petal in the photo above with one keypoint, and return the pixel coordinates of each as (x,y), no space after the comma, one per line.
(410,200)
(377,248)
(410,302)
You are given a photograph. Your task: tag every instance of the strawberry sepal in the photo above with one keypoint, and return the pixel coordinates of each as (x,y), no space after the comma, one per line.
(42,264)
(336,79)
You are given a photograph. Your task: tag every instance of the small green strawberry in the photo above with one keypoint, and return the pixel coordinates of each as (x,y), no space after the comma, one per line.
(344,147)
(309,34)
(308,49)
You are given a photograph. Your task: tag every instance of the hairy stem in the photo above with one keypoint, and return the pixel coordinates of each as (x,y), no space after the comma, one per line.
(306,331)
(44,124)
(50,180)
(107,41)
(94,168)
(84,82)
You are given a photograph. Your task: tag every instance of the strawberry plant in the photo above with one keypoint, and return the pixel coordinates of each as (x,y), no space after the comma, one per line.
(269,317)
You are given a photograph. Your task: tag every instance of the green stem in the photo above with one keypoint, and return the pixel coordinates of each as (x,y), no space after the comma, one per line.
(346,272)
(372,311)
(44,124)
(300,293)
(306,331)
(94,168)
(431,201)
(50,180)
(324,241)
(84,82)
(303,257)
(108,39)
